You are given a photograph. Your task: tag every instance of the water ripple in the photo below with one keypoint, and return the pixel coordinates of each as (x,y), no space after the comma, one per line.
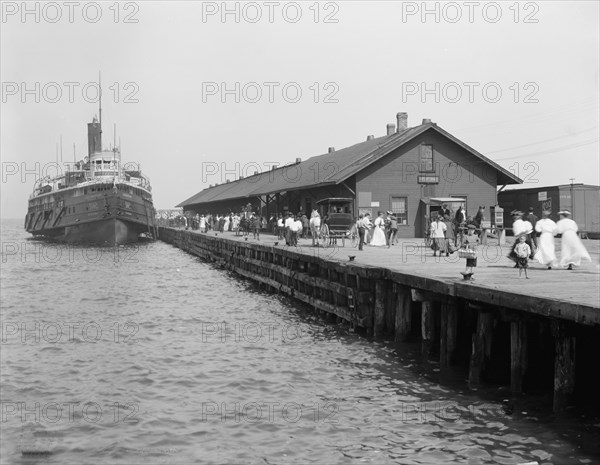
(163,359)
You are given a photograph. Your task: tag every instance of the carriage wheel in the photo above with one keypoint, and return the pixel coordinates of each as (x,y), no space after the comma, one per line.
(354,240)
(324,236)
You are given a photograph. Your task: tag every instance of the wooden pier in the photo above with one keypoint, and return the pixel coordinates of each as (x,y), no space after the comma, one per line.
(534,335)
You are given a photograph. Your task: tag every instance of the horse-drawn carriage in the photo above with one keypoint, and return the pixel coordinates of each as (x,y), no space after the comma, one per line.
(336,220)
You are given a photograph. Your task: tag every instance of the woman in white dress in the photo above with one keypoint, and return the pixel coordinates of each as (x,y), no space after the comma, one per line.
(235,226)
(378,239)
(226,224)
(545,253)
(572,249)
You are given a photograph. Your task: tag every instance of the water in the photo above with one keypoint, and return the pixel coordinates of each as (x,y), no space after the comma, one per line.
(144,354)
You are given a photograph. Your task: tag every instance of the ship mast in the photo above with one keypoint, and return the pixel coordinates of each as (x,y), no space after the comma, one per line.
(100,108)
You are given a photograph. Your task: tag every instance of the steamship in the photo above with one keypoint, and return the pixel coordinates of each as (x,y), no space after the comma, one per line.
(99,201)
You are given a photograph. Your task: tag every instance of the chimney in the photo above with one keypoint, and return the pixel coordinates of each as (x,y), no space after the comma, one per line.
(426,121)
(227,181)
(298,160)
(331,149)
(370,137)
(255,173)
(241,177)
(391,129)
(402,119)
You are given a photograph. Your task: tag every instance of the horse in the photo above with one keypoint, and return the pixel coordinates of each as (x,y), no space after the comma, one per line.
(315,228)
(245,226)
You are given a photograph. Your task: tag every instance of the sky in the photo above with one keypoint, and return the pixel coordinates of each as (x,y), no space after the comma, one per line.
(201,92)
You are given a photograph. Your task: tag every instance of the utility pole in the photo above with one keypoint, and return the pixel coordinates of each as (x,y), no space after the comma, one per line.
(572,199)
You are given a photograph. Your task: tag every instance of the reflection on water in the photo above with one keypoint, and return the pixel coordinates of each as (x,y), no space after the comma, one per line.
(144,354)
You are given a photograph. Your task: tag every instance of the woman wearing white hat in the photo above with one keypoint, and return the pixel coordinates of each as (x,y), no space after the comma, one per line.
(545,253)
(572,249)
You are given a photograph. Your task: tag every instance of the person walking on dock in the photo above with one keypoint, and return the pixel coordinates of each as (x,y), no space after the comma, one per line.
(438,228)
(545,253)
(255,225)
(363,225)
(572,249)
(459,220)
(236,224)
(392,230)
(226,223)
(478,222)
(523,251)
(469,251)
(287,225)
(450,238)
(530,216)
(295,231)
(305,225)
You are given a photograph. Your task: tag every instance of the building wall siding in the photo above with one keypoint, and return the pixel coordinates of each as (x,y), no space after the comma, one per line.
(585,206)
(460,174)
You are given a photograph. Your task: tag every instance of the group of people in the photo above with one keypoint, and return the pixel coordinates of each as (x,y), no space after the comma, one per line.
(444,234)
(239,223)
(534,239)
(379,233)
(291,227)
(445,231)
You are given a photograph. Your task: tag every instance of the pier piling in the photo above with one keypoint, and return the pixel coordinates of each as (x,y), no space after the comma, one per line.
(454,316)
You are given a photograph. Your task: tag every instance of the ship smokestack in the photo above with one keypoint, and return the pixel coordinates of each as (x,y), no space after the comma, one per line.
(94,137)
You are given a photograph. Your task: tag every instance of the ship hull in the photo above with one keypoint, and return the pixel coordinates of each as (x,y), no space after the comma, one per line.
(102,214)
(110,231)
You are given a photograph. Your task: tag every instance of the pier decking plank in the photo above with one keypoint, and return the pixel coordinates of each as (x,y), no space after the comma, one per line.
(559,293)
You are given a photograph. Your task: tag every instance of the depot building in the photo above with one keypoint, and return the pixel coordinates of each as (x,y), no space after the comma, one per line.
(410,171)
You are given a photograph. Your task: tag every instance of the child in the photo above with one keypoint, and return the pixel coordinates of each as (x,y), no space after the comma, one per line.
(522,250)
(470,243)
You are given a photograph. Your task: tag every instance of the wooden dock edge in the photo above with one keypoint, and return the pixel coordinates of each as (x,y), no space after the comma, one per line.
(389,303)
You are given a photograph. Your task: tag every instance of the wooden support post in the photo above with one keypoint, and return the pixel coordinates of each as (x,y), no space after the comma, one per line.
(379,314)
(518,354)
(564,366)
(481,347)
(448,329)
(403,313)
(427,327)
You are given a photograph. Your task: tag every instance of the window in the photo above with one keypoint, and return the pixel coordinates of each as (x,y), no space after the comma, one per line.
(426,158)
(400,209)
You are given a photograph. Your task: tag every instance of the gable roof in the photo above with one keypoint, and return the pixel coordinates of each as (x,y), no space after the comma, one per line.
(330,168)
